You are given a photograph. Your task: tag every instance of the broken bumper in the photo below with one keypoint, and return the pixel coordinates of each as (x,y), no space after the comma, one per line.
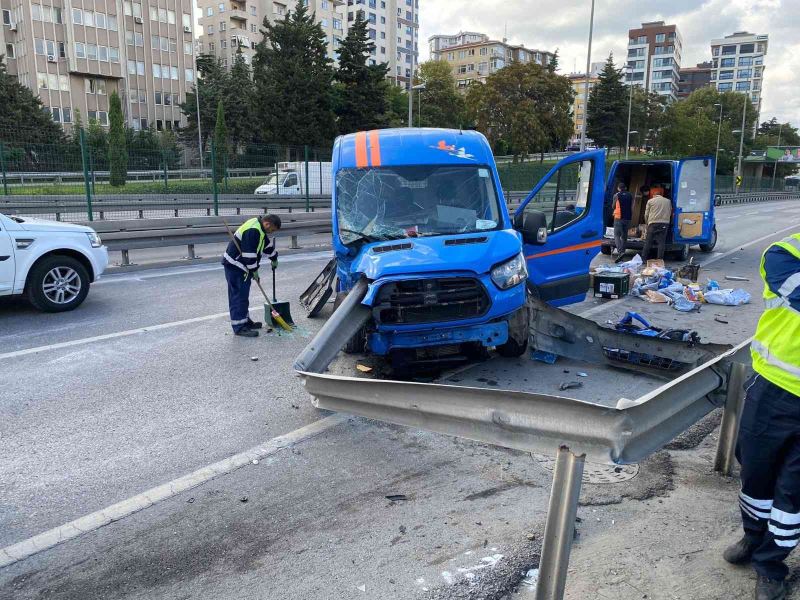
(488,334)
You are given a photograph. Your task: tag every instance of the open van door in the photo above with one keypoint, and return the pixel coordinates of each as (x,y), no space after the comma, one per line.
(7,263)
(693,222)
(561,222)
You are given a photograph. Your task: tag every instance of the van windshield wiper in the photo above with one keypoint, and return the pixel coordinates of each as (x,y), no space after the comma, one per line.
(360,236)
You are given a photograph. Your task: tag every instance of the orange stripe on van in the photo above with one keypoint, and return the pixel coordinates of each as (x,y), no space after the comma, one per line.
(361,149)
(374,148)
(584,246)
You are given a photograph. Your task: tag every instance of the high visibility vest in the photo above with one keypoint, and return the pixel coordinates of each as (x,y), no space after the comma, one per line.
(776,345)
(253,223)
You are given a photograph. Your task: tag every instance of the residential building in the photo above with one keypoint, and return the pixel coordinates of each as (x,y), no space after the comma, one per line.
(234,25)
(474,56)
(394,27)
(578,81)
(654,58)
(74,57)
(693,78)
(738,64)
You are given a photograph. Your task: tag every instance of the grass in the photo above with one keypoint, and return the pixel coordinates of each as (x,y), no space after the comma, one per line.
(243,185)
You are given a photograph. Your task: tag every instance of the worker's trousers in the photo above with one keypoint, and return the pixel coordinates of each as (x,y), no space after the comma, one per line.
(238,296)
(768,449)
(656,234)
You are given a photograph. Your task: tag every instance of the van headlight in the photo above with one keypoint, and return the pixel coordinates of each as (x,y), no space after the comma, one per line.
(510,273)
(94,239)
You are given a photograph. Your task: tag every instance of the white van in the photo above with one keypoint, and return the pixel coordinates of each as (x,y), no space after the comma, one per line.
(290,179)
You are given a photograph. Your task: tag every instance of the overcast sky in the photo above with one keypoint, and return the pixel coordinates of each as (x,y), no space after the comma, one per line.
(564,24)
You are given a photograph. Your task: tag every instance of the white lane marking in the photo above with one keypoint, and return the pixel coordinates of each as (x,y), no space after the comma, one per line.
(43,541)
(117,334)
(718,256)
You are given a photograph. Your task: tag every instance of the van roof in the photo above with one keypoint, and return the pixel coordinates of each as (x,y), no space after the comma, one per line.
(411,146)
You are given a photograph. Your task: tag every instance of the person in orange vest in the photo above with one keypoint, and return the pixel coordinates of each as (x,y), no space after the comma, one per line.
(623,210)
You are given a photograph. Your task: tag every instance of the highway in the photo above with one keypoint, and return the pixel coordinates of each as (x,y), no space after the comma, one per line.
(145,384)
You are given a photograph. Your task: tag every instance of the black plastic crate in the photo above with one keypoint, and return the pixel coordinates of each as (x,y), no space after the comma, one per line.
(611,285)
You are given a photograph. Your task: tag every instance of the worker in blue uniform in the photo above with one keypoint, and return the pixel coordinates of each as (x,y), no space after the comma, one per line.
(241,267)
(768,446)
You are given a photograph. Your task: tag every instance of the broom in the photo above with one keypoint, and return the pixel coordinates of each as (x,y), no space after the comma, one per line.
(275,315)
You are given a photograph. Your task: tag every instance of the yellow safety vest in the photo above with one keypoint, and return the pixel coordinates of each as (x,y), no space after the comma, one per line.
(253,223)
(776,345)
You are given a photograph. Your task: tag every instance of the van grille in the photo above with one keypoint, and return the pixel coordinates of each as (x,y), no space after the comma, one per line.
(430,300)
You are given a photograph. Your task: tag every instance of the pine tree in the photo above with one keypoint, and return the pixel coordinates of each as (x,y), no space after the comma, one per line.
(22,116)
(220,144)
(552,66)
(117,148)
(361,90)
(238,99)
(607,109)
(293,81)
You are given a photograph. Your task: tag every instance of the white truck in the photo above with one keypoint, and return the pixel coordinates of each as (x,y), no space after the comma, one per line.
(290,179)
(51,263)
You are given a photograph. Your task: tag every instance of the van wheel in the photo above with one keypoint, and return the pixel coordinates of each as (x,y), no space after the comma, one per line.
(57,284)
(605,249)
(712,243)
(518,332)
(682,254)
(358,343)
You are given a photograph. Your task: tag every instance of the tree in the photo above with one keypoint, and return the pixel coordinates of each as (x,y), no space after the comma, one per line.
(648,111)
(293,81)
(221,149)
(606,112)
(211,84)
(117,148)
(361,89)
(23,119)
(396,106)
(238,100)
(552,66)
(440,105)
(523,108)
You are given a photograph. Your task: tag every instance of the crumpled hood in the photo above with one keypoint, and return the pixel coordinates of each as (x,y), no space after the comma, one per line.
(30,224)
(430,254)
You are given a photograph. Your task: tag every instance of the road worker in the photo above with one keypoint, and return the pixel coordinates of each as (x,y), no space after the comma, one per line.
(768,446)
(241,261)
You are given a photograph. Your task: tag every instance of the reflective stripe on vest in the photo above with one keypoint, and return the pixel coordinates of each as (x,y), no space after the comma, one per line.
(776,345)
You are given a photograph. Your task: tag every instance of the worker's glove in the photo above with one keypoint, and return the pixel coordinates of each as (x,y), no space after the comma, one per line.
(255,275)
(274,262)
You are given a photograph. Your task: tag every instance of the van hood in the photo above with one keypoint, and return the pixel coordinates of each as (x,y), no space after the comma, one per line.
(30,224)
(473,252)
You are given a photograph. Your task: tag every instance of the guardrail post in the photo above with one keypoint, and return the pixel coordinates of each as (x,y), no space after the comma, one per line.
(214,179)
(191,253)
(86,181)
(294,245)
(308,200)
(729,428)
(126,260)
(560,526)
(166,176)
(3,168)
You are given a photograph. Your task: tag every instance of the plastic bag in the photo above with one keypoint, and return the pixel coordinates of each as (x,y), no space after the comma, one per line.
(728,297)
(711,285)
(634,264)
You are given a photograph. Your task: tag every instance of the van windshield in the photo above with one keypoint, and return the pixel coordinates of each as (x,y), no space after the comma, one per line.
(275,179)
(387,203)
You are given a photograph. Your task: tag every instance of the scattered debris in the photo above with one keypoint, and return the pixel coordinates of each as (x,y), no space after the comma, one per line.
(397,497)
(736,278)
(531,536)
(255,461)
(402,528)
(545,357)
(243,499)
(570,385)
(190,501)
(364,368)
(254,358)
(362,587)
(582,374)
(718,320)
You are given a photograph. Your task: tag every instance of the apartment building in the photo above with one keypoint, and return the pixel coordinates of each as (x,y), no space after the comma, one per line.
(738,64)
(578,81)
(693,78)
(474,56)
(233,25)
(654,58)
(394,28)
(75,54)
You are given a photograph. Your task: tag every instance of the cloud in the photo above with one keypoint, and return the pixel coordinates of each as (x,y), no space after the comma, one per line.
(564,24)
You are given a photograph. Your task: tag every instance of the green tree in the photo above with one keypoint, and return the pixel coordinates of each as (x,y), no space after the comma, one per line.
(606,112)
(523,108)
(439,104)
(221,148)
(361,89)
(293,79)
(211,84)
(647,117)
(552,66)
(23,119)
(238,99)
(396,106)
(117,144)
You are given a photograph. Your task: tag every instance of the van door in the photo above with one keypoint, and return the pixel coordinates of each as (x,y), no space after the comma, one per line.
(566,209)
(7,262)
(693,202)
(291,185)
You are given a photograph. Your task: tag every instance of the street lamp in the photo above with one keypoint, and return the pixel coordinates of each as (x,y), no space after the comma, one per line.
(630,133)
(411,79)
(741,140)
(775,166)
(719,131)
(586,82)
(419,87)
(628,75)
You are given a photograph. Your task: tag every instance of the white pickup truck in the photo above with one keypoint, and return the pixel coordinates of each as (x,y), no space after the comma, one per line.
(52,263)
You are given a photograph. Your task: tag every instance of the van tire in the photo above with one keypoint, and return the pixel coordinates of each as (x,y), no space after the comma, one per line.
(711,244)
(605,249)
(358,343)
(517,344)
(43,272)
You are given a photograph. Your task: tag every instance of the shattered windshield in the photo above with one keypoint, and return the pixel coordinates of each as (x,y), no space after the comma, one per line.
(388,203)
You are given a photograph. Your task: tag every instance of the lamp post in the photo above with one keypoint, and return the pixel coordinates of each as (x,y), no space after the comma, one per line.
(630,133)
(719,131)
(419,87)
(741,141)
(775,166)
(411,78)
(628,72)
(586,82)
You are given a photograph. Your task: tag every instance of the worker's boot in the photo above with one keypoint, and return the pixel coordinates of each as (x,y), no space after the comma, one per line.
(254,324)
(245,332)
(769,589)
(740,552)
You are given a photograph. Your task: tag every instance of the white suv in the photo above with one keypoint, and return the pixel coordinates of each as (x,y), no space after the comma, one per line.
(51,263)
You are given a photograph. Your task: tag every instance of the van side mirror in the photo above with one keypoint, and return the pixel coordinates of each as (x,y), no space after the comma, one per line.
(532,225)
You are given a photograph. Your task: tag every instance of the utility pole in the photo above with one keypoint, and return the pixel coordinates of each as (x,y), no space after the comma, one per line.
(741,142)
(775,166)
(586,82)
(413,62)
(628,71)
(719,131)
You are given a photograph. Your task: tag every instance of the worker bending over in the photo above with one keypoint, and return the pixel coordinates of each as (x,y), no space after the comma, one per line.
(768,446)
(241,261)
(657,216)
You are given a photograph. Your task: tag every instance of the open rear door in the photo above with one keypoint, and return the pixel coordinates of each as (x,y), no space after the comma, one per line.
(561,221)
(693,222)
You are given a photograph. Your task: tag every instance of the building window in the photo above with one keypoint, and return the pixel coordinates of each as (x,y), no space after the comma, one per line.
(91,51)
(747,48)
(744,74)
(210,30)
(187,48)
(7,17)
(210,11)
(725,87)
(727,62)
(158,98)
(189,75)
(187,22)
(742,86)
(113,55)
(222,26)
(729,50)
(660,37)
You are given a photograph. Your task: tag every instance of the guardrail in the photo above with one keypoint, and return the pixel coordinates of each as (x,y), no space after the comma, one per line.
(747,197)
(533,422)
(15,178)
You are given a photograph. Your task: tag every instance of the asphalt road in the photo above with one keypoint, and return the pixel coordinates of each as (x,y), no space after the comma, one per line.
(88,422)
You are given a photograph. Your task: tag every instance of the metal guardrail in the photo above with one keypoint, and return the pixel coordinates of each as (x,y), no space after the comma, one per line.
(16,178)
(747,197)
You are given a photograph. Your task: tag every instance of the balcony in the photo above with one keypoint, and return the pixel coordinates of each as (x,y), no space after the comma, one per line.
(237,14)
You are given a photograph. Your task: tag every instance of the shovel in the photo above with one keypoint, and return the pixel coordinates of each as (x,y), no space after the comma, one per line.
(282,308)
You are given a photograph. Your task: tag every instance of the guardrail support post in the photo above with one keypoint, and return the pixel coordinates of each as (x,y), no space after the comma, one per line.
(294,245)
(86,181)
(560,526)
(126,260)
(308,200)
(3,168)
(191,254)
(215,188)
(729,428)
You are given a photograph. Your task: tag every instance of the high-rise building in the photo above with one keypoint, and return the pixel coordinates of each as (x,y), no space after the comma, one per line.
(654,58)
(474,56)
(74,57)
(738,64)
(578,81)
(693,78)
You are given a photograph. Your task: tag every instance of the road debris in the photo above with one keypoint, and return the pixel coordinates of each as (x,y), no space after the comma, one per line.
(545,357)
(397,497)
(254,358)
(718,320)
(243,499)
(736,278)
(363,368)
(570,385)
(255,461)
(582,374)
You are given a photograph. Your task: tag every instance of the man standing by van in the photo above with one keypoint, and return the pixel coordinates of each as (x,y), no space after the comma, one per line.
(657,217)
(623,210)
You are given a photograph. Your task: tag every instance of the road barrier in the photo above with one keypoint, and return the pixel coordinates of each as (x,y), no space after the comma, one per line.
(747,197)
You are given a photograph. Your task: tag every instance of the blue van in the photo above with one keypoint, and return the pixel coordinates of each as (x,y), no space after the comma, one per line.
(420,214)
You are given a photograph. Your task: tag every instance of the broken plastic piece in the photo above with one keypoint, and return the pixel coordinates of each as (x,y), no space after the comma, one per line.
(570,385)
(545,357)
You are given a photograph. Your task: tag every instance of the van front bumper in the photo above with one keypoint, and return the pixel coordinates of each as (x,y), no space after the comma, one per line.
(487,334)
